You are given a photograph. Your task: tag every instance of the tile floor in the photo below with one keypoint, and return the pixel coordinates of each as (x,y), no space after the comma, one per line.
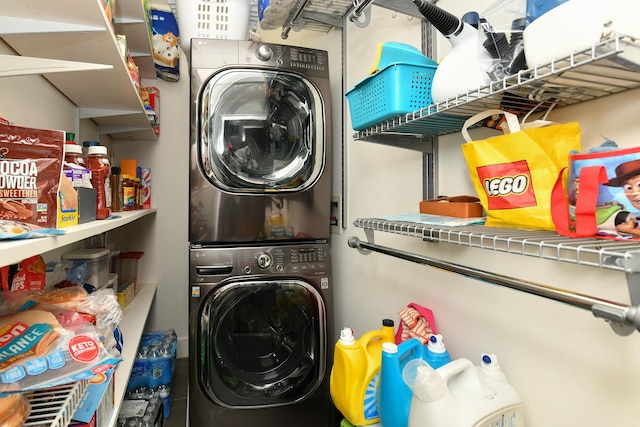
(178,416)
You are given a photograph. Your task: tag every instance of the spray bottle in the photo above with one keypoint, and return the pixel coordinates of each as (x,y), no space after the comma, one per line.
(355,371)
(464,67)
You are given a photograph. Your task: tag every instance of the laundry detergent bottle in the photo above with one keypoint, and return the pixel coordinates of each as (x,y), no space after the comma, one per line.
(456,395)
(393,395)
(354,375)
(435,352)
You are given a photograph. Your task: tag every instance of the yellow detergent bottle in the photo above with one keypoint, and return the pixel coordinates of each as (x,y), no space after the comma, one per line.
(356,366)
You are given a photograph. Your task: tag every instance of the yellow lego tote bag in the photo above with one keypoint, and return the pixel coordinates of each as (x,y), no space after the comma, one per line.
(514,173)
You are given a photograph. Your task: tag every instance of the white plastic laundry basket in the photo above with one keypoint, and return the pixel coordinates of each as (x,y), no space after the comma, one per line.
(214,19)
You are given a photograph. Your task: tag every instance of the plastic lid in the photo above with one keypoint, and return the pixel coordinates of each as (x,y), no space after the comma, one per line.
(387,322)
(134,255)
(89,143)
(97,149)
(346,336)
(429,385)
(72,147)
(435,344)
(389,347)
(115,170)
(490,368)
(86,254)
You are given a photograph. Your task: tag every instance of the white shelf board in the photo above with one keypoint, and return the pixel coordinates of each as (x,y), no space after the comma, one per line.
(132,325)
(13,65)
(14,251)
(109,89)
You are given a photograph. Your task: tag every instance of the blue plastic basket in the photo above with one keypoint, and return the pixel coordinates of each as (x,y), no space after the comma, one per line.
(397,89)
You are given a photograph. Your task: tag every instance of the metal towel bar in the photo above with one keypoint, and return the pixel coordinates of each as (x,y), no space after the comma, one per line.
(623,319)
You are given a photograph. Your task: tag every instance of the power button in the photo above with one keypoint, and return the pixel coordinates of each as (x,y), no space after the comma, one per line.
(264,260)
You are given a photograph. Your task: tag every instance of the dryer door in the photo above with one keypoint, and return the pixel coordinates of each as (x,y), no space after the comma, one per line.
(260,131)
(262,343)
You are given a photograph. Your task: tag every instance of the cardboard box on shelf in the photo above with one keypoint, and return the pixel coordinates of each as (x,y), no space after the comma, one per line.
(150,97)
(97,403)
(67,204)
(145,178)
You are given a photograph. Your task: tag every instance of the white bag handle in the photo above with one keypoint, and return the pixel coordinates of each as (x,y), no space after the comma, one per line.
(512,122)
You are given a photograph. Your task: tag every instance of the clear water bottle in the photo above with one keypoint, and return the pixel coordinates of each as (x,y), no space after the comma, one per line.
(147,421)
(143,352)
(165,390)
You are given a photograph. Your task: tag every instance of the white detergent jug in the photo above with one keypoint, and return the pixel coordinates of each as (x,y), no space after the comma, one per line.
(456,395)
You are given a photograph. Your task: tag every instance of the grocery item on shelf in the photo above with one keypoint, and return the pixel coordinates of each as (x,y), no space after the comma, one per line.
(145,177)
(96,405)
(152,373)
(28,275)
(30,167)
(98,163)
(49,346)
(150,97)
(165,34)
(97,264)
(14,410)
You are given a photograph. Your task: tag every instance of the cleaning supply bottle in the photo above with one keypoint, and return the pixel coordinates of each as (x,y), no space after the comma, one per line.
(435,352)
(456,395)
(356,365)
(393,395)
(491,374)
(464,67)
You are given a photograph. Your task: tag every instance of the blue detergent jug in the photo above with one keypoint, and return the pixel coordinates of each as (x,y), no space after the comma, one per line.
(393,395)
(435,352)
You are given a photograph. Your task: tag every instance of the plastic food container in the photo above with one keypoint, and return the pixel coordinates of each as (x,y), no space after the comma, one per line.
(129,263)
(97,261)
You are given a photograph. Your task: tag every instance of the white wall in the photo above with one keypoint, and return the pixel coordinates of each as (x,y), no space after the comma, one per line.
(570,367)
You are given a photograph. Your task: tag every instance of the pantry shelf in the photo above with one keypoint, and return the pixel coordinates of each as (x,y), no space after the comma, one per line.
(14,251)
(615,255)
(608,67)
(54,407)
(73,35)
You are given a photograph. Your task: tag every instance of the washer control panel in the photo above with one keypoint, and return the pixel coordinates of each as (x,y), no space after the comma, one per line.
(305,260)
(215,263)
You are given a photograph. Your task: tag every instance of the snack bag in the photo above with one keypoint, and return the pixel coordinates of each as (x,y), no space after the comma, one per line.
(165,35)
(42,347)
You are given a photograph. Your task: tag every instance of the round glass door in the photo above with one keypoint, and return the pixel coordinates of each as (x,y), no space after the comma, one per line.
(262,343)
(261,131)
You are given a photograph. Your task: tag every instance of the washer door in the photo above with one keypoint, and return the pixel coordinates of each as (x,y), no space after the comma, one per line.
(260,131)
(262,343)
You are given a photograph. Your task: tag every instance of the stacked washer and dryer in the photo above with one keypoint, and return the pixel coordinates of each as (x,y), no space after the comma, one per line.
(260,303)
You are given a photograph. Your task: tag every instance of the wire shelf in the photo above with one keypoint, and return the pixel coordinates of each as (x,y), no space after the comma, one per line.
(616,255)
(54,407)
(608,67)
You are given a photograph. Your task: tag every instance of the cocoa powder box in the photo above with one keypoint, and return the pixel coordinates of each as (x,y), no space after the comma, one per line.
(30,171)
